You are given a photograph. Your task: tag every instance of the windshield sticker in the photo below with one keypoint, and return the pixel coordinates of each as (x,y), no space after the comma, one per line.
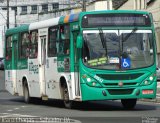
(99,61)
(125,63)
(93,61)
(114,60)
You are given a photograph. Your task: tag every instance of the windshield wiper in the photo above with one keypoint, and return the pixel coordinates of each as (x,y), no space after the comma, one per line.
(128,35)
(101,34)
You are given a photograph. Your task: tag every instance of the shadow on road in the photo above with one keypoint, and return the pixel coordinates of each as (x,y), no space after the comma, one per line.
(90,105)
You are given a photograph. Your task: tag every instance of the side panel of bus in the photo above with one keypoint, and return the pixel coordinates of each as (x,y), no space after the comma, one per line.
(11,64)
(52,76)
(33,65)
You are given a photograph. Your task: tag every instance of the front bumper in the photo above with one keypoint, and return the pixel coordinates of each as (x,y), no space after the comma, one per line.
(93,93)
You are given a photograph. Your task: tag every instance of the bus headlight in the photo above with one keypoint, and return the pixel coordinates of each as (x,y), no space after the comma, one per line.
(94,84)
(88,79)
(149,80)
(91,81)
(146,82)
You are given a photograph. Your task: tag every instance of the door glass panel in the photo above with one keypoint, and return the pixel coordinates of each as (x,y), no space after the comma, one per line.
(43,50)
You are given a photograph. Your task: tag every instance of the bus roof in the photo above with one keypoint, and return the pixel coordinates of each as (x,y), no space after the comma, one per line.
(43,24)
(69,18)
(75,17)
(15,30)
(63,20)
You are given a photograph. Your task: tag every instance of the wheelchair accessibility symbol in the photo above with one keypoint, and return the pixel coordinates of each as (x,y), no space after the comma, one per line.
(125,63)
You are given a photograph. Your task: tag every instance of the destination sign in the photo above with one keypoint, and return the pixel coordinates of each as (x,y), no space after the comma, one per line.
(101,20)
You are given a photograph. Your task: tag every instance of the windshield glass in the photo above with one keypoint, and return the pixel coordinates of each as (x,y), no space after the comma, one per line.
(117,49)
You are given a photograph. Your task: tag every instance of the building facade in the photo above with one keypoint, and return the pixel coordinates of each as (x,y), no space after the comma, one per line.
(27,11)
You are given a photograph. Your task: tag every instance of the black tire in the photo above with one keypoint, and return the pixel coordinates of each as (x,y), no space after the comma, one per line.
(67,103)
(26,93)
(129,103)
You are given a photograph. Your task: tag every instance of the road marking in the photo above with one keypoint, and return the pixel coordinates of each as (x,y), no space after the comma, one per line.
(16,115)
(9,110)
(16,108)
(38,118)
(4,113)
(23,106)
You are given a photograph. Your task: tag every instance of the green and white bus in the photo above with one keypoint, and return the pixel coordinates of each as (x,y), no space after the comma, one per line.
(89,56)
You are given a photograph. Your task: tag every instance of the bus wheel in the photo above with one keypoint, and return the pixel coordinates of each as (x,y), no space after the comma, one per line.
(26,94)
(128,103)
(68,103)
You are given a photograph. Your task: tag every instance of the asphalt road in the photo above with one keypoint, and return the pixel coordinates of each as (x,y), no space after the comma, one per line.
(91,112)
(2,86)
(13,109)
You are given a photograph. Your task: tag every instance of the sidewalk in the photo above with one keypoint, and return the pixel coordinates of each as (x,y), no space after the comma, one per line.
(158,92)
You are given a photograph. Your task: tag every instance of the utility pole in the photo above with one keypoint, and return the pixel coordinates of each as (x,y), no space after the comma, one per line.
(7,14)
(84,5)
(15,12)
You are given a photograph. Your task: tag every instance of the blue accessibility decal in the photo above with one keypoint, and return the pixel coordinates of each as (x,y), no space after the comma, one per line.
(125,63)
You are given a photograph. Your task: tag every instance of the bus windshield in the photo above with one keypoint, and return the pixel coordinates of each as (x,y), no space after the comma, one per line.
(124,49)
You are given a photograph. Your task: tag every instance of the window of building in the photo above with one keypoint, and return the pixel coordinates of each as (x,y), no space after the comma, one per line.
(149,2)
(34,9)
(4,8)
(45,8)
(33,44)
(24,45)
(52,39)
(14,8)
(9,48)
(55,5)
(24,10)
(142,4)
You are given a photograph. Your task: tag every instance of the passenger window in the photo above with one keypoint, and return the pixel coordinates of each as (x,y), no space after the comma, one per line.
(33,44)
(52,40)
(24,53)
(9,48)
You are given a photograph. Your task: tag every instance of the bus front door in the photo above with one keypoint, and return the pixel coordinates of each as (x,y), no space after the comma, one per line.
(76,66)
(42,64)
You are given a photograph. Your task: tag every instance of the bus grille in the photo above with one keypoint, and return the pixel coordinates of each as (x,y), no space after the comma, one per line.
(120,76)
(120,91)
(124,84)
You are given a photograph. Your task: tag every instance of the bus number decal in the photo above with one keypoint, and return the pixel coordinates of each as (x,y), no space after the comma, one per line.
(98,78)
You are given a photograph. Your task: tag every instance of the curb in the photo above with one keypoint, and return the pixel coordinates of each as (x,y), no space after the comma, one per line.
(151,100)
(157,100)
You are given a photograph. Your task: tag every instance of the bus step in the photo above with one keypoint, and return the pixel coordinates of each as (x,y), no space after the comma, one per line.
(44,97)
(16,94)
(78,98)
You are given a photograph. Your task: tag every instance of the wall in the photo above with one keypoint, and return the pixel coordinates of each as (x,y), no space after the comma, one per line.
(100,5)
(129,5)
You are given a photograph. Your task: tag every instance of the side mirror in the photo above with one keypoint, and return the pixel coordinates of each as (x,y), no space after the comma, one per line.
(79,42)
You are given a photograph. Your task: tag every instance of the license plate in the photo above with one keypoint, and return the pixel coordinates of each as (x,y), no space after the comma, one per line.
(147,92)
